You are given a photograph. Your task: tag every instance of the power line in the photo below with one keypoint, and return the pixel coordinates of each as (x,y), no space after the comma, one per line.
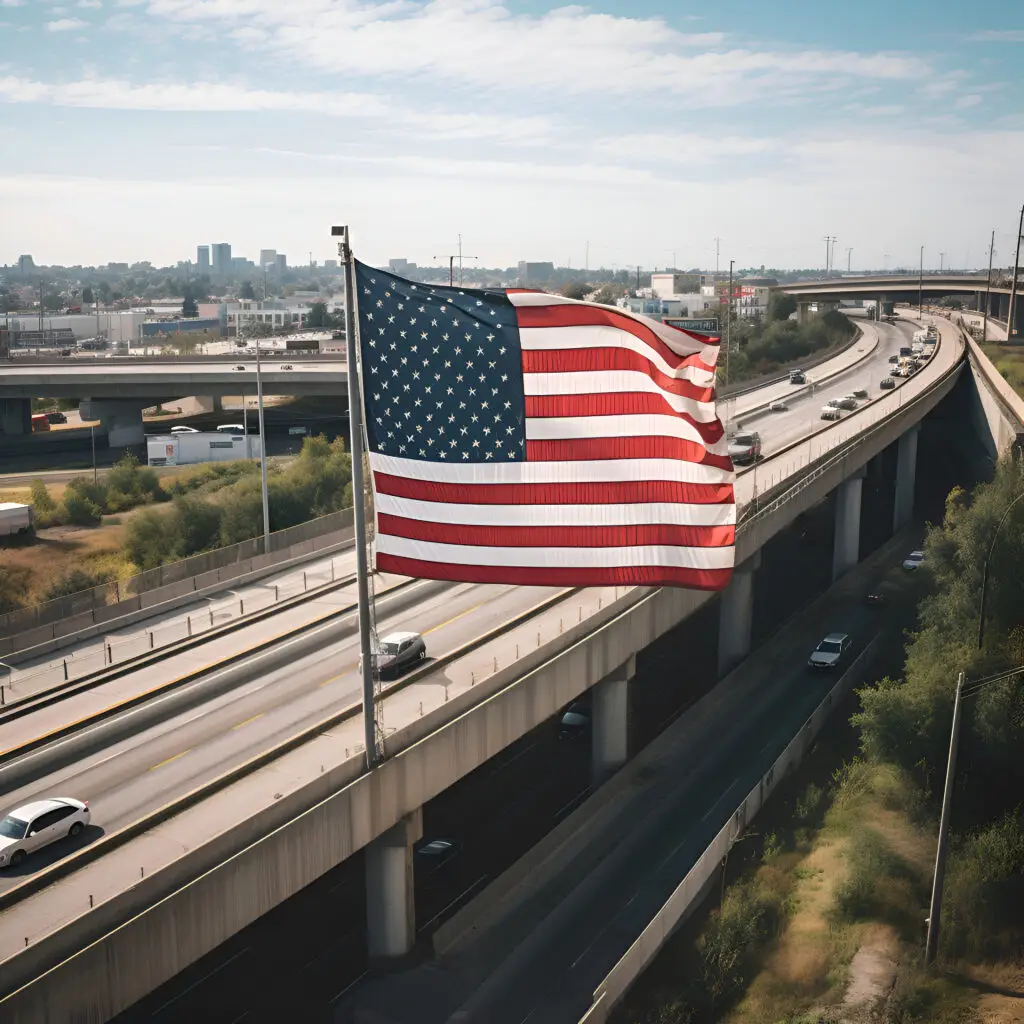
(977,685)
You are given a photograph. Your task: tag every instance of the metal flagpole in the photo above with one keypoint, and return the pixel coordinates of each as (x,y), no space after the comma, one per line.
(1010,320)
(355,425)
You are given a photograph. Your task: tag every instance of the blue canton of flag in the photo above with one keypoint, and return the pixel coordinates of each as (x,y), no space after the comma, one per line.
(442,376)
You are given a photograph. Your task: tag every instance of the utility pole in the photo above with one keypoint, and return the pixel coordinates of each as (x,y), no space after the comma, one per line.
(832,261)
(728,326)
(263,452)
(718,243)
(586,259)
(1010,325)
(988,287)
(935,910)
(920,285)
(942,257)
(849,253)
(451,266)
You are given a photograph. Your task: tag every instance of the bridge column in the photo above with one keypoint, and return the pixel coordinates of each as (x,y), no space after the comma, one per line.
(735,616)
(906,476)
(390,910)
(610,724)
(16,416)
(218,403)
(120,419)
(846,545)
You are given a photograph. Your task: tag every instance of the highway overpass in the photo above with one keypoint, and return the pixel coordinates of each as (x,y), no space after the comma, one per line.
(116,390)
(157,885)
(909,288)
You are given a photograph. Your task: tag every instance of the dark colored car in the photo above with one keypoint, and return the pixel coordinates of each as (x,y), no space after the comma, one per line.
(886,383)
(239,367)
(745,447)
(575,722)
(56,417)
(435,852)
(400,651)
(797,377)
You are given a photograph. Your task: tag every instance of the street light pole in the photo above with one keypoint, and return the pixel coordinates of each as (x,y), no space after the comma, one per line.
(1010,326)
(728,326)
(988,287)
(984,571)
(935,910)
(92,437)
(263,453)
(920,285)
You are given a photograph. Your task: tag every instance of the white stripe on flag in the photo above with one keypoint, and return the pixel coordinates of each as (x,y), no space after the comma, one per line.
(598,382)
(558,558)
(598,471)
(542,339)
(667,513)
(640,425)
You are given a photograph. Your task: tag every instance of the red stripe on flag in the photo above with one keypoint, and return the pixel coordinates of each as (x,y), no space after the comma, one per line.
(527,576)
(646,534)
(571,315)
(589,448)
(613,492)
(576,360)
(616,403)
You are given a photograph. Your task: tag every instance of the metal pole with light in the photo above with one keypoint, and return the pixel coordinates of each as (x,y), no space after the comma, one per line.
(920,285)
(988,288)
(1010,326)
(728,326)
(263,453)
(355,424)
(92,437)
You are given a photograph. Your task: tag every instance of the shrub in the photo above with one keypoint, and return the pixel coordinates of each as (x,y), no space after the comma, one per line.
(76,580)
(14,584)
(43,505)
(149,542)
(81,508)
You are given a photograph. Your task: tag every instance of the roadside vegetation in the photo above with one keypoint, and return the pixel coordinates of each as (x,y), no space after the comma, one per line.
(130,520)
(825,915)
(1009,361)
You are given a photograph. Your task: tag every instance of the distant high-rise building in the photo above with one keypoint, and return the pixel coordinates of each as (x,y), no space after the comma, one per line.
(268,256)
(221,253)
(535,273)
(203,258)
(330,264)
(26,264)
(282,263)
(401,266)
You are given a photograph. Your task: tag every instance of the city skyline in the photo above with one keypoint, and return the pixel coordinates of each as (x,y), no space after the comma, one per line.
(611,135)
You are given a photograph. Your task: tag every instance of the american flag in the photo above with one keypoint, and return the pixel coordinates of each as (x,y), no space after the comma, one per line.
(519,437)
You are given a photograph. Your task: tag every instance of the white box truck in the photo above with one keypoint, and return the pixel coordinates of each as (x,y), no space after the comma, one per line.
(15,518)
(189,449)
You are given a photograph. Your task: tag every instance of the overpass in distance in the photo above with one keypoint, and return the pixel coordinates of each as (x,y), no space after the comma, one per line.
(178,874)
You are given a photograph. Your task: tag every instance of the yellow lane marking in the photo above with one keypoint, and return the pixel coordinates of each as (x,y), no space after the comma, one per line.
(341,675)
(455,618)
(247,721)
(169,760)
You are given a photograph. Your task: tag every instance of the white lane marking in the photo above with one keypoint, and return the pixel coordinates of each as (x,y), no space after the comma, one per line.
(711,809)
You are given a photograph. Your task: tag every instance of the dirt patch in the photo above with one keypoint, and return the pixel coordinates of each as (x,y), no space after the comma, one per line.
(1001,988)
(872,973)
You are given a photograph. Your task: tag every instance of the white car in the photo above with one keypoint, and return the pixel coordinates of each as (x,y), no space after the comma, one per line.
(777,407)
(184,430)
(831,412)
(830,651)
(32,826)
(913,561)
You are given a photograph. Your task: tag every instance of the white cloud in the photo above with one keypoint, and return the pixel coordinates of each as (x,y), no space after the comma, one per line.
(65,25)
(966,102)
(12,3)
(998,35)
(484,45)
(90,3)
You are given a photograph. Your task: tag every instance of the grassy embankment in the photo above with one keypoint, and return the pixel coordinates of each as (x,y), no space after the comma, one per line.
(1009,361)
(823,919)
(89,534)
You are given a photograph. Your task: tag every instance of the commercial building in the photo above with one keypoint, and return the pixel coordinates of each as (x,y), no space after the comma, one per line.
(282,262)
(535,273)
(26,264)
(117,327)
(278,314)
(203,258)
(692,305)
(750,295)
(221,254)
(213,446)
(268,259)
(401,267)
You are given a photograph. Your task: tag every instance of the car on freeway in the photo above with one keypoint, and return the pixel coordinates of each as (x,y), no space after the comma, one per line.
(913,561)
(875,598)
(848,402)
(56,417)
(830,651)
(239,367)
(575,722)
(32,826)
(745,446)
(399,651)
(886,383)
(777,407)
(287,366)
(894,359)
(184,430)
(298,431)
(797,377)
(831,412)
(859,392)
(434,852)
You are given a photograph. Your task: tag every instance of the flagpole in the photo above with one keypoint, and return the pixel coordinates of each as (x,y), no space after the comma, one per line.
(355,426)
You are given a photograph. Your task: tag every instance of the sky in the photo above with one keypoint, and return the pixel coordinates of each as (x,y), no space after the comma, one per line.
(616,133)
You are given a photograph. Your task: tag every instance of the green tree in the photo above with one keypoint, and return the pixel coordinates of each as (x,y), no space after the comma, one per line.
(247,291)
(609,293)
(42,504)
(781,306)
(196,522)
(319,316)
(575,290)
(189,306)
(87,296)
(149,542)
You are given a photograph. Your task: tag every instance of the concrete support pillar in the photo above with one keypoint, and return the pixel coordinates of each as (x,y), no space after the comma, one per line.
(906,475)
(15,416)
(218,403)
(846,546)
(120,419)
(610,724)
(735,616)
(390,910)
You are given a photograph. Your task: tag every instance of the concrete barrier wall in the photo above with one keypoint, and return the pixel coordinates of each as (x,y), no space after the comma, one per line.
(688,893)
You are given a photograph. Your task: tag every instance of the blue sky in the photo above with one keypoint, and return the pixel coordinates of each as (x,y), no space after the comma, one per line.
(135,129)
